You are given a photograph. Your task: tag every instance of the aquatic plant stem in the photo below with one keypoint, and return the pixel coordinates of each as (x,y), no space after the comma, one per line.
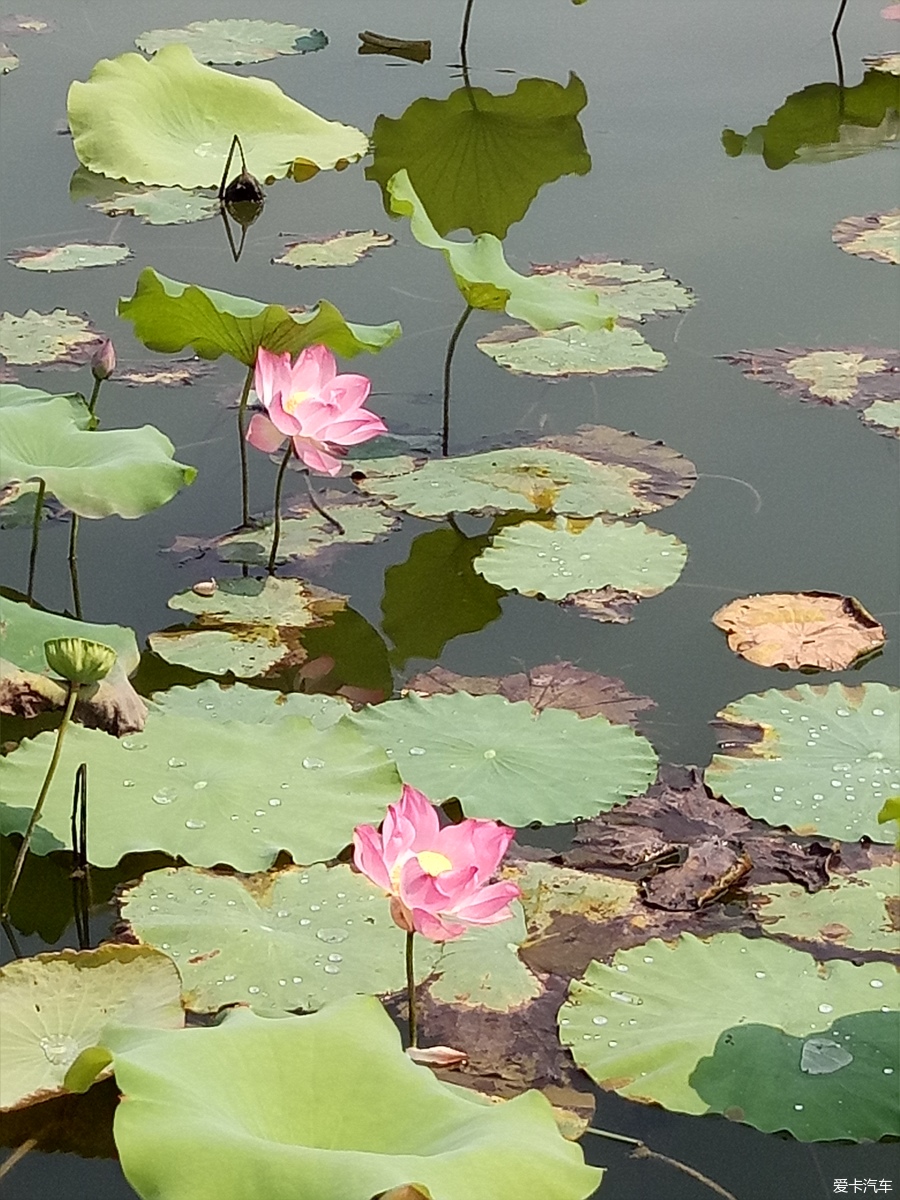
(641,1150)
(73,565)
(17,1155)
(92,403)
(81,867)
(464,36)
(35,537)
(242,443)
(448,363)
(411,991)
(279,483)
(318,507)
(45,788)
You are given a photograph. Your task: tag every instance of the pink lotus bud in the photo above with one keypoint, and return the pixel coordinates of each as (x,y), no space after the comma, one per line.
(103,362)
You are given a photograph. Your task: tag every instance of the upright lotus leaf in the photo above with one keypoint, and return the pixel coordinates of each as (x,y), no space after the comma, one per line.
(24,630)
(477,160)
(337,250)
(852,375)
(876,236)
(825,122)
(485,279)
(56,1005)
(800,631)
(168,315)
(236,41)
(209,792)
(641,1025)
(635,291)
(618,350)
(505,761)
(818,759)
(295,1109)
(238,702)
(171,121)
(47,338)
(72,256)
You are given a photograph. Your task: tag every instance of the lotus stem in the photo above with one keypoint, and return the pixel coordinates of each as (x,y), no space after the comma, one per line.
(45,788)
(279,483)
(35,537)
(464,37)
(448,362)
(242,443)
(411,991)
(73,565)
(92,403)
(837,20)
(81,869)
(318,507)
(641,1150)
(17,1155)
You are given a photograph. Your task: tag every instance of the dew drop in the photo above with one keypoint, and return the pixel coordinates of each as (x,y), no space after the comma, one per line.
(599,1020)
(127,783)
(331,935)
(200,785)
(417,751)
(612,1043)
(274,802)
(177,762)
(887,1070)
(875,983)
(877,712)
(842,712)
(132,744)
(312,764)
(164,796)
(490,754)
(254,991)
(331,969)
(621,967)
(192,823)
(798,1108)
(230,978)
(305,921)
(296,979)
(335,958)
(60,1049)
(760,974)
(826,1008)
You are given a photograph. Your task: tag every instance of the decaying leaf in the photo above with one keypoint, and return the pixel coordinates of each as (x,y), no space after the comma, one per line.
(56,338)
(73,256)
(14,23)
(112,704)
(333,250)
(888,63)
(800,631)
(875,236)
(416,50)
(852,375)
(172,373)
(437,1056)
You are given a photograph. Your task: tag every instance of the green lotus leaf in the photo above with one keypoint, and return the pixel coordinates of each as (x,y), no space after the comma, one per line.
(338,250)
(875,236)
(641,1025)
(308,533)
(92,472)
(9,60)
(817,759)
(571,351)
(477,160)
(56,1005)
(482,968)
(236,41)
(24,630)
(73,256)
(45,338)
(890,811)
(523,479)
(856,910)
(159,206)
(13,395)
(486,280)
(507,762)
(208,791)
(294,1108)
(171,121)
(169,315)
(636,291)
(238,702)
(838,1085)
(883,415)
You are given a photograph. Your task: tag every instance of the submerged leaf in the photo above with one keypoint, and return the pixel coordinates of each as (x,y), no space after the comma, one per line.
(73,256)
(876,236)
(235,41)
(47,338)
(611,351)
(337,250)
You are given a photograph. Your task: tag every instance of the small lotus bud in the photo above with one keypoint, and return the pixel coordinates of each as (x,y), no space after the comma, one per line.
(78,660)
(103,362)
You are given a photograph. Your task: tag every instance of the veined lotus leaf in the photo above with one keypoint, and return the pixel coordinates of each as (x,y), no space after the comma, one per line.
(817,759)
(521,479)
(92,472)
(572,351)
(210,792)
(168,315)
(171,121)
(640,1026)
(73,256)
(890,811)
(853,375)
(159,206)
(889,63)
(13,394)
(883,415)
(24,630)
(296,1106)
(238,702)
(337,250)
(839,1085)
(825,122)
(47,338)
(635,291)
(56,1005)
(482,969)
(860,910)
(477,160)
(800,631)
(876,236)
(307,534)
(269,602)
(574,559)
(235,41)
(507,762)
(9,60)
(486,280)
(550,892)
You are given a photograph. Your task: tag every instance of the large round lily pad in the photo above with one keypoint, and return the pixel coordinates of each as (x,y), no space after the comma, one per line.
(571,351)
(55,338)
(635,291)
(71,256)
(507,762)
(238,702)
(334,250)
(641,1025)
(818,759)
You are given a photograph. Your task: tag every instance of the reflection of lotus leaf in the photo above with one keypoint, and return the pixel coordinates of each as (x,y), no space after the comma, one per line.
(477,160)
(571,351)
(235,41)
(73,256)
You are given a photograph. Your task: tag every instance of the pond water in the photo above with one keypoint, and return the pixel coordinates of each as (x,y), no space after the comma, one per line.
(790,496)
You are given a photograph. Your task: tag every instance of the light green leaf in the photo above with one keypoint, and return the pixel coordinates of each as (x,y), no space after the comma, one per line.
(308,533)
(571,351)
(56,1005)
(641,1025)
(238,702)
(9,60)
(160,206)
(237,41)
(507,762)
(884,415)
(876,236)
(635,291)
(338,250)
(818,759)
(482,969)
(171,121)
(24,630)
(73,256)
(169,315)
(54,337)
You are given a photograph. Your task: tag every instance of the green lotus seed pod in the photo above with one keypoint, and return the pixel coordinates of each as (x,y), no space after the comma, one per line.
(79,660)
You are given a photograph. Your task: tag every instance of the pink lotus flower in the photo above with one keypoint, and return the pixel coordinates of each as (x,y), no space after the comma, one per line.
(437,878)
(320,411)
(892,12)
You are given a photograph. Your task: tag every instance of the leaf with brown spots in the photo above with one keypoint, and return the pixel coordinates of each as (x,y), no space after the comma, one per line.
(851,375)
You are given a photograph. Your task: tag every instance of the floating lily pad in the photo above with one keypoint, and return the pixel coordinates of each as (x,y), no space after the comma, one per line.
(860,910)
(889,63)
(641,1026)
(238,702)
(507,762)
(236,41)
(24,630)
(883,415)
(336,250)
(876,236)
(309,535)
(853,375)
(208,791)
(818,759)
(171,121)
(14,23)
(9,60)
(56,1005)
(571,351)
(160,206)
(47,338)
(635,291)
(800,631)
(73,256)
(175,373)
(299,1103)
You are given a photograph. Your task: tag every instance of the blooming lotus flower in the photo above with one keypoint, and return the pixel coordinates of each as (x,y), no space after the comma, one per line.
(320,411)
(438,879)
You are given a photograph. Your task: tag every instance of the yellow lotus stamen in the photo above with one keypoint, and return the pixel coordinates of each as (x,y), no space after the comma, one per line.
(434,863)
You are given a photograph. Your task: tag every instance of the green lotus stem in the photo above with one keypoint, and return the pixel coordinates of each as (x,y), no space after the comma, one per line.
(81,868)
(73,565)
(464,37)
(643,1151)
(242,443)
(35,537)
(318,507)
(92,403)
(411,991)
(45,788)
(279,482)
(448,362)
